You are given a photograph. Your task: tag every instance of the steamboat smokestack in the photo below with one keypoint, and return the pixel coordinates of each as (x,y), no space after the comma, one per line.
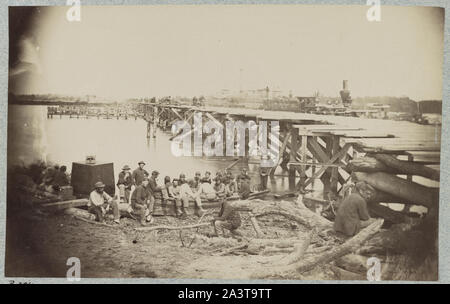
(345,94)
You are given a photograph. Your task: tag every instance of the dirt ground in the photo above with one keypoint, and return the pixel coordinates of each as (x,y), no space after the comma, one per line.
(39,246)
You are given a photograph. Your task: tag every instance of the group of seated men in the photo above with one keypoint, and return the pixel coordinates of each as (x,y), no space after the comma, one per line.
(138,191)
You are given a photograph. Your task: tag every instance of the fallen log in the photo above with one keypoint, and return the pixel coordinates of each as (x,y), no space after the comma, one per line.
(257,194)
(352,262)
(79,213)
(343,274)
(408,167)
(311,262)
(393,185)
(93,222)
(387,213)
(297,212)
(285,195)
(299,250)
(350,245)
(171,227)
(367,164)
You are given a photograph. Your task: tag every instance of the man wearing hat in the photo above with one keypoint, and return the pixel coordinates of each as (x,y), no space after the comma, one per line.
(124,183)
(353,210)
(140,201)
(187,194)
(139,174)
(100,202)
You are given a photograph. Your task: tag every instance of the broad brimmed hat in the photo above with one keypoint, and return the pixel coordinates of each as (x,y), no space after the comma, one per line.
(99,185)
(126,167)
(155,172)
(141,162)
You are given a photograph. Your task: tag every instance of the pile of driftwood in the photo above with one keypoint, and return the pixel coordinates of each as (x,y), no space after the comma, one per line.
(314,246)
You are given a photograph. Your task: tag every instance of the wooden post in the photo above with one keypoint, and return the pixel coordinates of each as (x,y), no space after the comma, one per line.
(325,178)
(304,150)
(294,148)
(149,127)
(334,170)
(410,158)
(155,120)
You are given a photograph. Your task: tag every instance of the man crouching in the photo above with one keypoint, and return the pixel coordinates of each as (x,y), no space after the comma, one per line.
(100,202)
(228,219)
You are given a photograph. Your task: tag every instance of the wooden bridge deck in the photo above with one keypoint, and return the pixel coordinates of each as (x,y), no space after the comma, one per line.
(318,146)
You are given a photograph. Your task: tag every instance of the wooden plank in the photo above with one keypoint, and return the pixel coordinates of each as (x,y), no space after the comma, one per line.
(326,127)
(334,171)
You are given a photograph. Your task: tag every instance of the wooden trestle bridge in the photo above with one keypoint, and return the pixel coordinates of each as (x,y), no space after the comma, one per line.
(317,146)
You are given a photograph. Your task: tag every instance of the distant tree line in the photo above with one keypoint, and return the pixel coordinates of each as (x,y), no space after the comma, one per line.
(401,104)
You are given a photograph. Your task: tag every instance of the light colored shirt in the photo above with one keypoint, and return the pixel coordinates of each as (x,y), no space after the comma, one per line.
(185,190)
(98,199)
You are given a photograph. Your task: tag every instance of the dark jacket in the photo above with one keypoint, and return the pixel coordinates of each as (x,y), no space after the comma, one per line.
(140,195)
(229,214)
(127,181)
(351,212)
(138,176)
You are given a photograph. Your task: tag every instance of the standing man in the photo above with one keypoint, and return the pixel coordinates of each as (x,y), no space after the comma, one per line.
(353,210)
(124,183)
(139,174)
(139,201)
(100,202)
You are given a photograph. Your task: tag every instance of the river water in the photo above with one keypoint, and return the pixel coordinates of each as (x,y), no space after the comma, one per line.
(33,137)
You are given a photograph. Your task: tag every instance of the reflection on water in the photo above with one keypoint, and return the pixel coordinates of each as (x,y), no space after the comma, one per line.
(32,137)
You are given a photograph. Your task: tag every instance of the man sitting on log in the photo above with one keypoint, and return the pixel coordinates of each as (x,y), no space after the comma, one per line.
(100,202)
(353,209)
(187,194)
(219,186)
(228,219)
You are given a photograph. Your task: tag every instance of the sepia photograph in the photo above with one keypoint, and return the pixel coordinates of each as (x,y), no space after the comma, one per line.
(249,142)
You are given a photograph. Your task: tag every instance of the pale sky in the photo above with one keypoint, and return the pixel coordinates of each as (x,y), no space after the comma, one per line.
(134,51)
